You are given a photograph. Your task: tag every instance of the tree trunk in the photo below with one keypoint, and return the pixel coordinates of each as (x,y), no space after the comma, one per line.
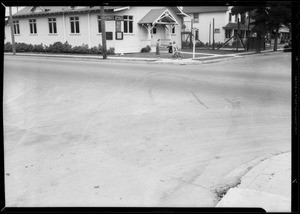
(258,45)
(275,40)
(103,31)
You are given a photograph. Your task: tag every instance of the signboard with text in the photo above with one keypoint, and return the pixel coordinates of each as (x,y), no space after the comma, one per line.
(112,18)
(119,35)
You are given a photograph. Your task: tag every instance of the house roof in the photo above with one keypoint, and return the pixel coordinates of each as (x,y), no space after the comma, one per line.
(232,25)
(59,9)
(205,9)
(151,16)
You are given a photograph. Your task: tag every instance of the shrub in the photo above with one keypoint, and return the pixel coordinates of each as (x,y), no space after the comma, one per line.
(56,47)
(111,51)
(46,48)
(59,47)
(185,44)
(38,48)
(8,47)
(83,49)
(96,50)
(23,47)
(146,49)
(199,44)
(67,48)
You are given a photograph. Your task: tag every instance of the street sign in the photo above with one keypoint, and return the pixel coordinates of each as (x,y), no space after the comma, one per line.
(112,18)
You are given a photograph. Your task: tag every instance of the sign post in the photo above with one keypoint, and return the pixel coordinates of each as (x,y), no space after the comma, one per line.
(194,42)
(213,45)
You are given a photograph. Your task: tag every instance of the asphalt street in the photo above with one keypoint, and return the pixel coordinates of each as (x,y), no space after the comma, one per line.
(87,133)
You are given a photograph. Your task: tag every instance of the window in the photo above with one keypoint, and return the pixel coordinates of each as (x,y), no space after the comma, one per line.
(32,25)
(227,34)
(217,30)
(196,18)
(99,24)
(128,24)
(173,29)
(197,35)
(230,17)
(118,26)
(154,30)
(52,25)
(74,24)
(16,27)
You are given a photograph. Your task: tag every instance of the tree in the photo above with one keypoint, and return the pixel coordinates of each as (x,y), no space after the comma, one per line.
(268,17)
(279,13)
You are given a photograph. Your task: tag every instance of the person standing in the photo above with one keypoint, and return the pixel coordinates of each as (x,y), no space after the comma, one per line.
(157,48)
(174,50)
(170,47)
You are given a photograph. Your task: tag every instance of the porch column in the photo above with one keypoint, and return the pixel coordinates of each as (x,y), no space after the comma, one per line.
(149,32)
(170,31)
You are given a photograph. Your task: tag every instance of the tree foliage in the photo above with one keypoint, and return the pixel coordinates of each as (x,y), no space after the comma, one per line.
(267,17)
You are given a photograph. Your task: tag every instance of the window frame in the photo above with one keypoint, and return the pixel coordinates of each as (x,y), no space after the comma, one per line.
(154,30)
(99,23)
(128,19)
(32,26)
(196,20)
(74,21)
(228,35)
(52,22)
(173,30)
(16,26)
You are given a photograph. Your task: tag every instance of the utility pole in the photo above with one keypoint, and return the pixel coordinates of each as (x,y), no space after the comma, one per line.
(238,35)
(213,45)
(209,36)
(103,31)
(11,23)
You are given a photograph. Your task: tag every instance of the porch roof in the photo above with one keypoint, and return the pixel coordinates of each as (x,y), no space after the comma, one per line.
(231,26)
(151,16)
(155,16)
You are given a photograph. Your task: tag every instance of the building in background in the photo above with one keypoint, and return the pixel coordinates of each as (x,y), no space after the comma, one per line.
(225,24)
(128,29)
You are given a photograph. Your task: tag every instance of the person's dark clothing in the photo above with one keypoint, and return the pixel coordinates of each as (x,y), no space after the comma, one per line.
(170,48)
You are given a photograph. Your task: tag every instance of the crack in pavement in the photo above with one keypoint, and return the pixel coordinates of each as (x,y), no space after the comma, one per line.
(199,100)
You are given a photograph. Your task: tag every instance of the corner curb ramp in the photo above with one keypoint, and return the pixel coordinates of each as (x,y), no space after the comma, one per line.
(240,197)
(266,185)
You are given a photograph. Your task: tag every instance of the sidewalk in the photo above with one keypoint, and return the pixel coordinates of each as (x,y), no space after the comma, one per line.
(267,185)
(198,60)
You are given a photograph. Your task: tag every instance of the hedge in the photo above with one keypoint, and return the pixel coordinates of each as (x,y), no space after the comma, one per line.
(146,49)
(57,47)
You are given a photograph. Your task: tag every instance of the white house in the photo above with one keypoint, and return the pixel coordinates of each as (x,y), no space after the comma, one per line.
(225,24)
(128,29)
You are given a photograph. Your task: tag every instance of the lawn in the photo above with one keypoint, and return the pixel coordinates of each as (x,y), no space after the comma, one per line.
(163,55)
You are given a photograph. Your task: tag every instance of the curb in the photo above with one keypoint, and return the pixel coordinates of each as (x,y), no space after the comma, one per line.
(238,191)
(148,60)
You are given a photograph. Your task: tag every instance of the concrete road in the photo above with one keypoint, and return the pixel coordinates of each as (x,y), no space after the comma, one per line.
(86,133)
